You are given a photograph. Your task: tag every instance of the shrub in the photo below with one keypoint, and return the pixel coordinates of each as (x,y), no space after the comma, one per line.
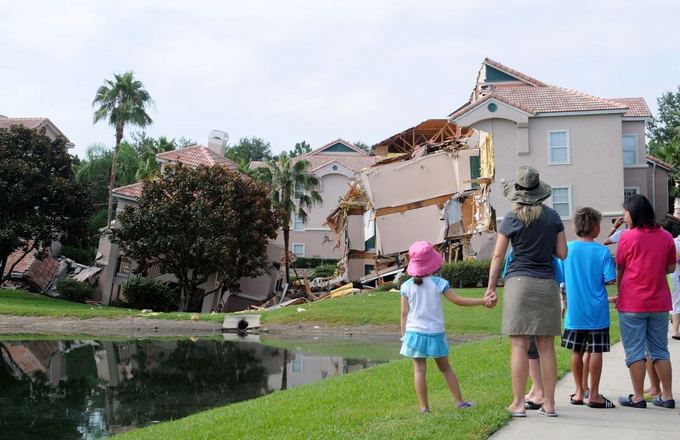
(144,293)
(324,270)
(469,273)
(75,290)
(386,287)
(78,254)
(312,262)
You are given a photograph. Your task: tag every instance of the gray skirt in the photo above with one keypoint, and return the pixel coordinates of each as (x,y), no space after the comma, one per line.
(531,306)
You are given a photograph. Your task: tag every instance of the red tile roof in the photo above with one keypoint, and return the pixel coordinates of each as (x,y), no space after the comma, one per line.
(133,191)
(663,164)
(195,156)
(32,123)
(637,107)
(23,265)
(533,96)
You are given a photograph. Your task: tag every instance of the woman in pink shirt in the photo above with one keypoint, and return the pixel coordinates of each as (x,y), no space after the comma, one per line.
(646,253)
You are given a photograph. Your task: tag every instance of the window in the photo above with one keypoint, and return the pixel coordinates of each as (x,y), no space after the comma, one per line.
(298,224)
(299,249)
(558,143)
(630,192)
(561,201)
(630,149)
(299,190)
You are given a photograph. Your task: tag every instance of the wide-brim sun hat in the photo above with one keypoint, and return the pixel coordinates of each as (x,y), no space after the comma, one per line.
(527,188)
(423,259)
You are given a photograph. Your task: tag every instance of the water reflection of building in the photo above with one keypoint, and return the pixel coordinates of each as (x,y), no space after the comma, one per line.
(106,387)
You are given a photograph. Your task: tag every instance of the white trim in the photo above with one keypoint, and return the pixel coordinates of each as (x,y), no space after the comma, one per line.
(579,113)
(292,249)
(552,201)
(568,161)
(641,165)
(636,150)
(482,103)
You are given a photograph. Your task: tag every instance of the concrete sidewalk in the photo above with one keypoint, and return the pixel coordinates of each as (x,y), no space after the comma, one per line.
(575,422)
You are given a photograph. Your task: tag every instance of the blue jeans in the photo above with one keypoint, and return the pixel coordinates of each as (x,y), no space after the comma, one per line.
(643,333)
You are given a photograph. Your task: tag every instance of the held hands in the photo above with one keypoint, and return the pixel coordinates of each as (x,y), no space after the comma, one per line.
(490,299)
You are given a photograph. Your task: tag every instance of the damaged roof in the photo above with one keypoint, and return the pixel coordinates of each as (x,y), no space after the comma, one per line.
(340,151)
(431,130)
(497,81)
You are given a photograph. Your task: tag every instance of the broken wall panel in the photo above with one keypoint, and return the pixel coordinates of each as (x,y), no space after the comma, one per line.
(405,182)
(355,231)
(396,232)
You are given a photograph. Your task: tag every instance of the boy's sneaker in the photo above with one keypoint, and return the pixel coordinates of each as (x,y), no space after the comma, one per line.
(464,404)
(658,401)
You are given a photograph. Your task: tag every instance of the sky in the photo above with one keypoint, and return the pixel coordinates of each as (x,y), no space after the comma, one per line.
(318,70)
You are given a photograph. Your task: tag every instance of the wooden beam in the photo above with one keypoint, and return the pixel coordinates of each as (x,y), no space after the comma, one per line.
(360,255)
(439,200)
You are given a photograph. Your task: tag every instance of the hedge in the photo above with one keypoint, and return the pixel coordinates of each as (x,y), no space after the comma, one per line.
(74,290)
(144,293)
(312,262)
(469,273)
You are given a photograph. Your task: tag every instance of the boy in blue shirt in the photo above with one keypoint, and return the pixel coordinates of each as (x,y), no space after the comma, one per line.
(588,268)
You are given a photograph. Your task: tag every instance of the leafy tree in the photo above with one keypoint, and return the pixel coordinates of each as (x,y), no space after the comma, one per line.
(665,128)
(195,222)
(664,135)
(39,196)
(122,101)
(294,192)
(300,148)
(249,149)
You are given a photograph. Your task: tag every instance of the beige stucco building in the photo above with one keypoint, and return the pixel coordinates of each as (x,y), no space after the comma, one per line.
(335,165)
(591,150)
(118,269)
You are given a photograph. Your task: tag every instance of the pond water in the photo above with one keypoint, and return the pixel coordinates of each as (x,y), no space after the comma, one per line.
(86,389)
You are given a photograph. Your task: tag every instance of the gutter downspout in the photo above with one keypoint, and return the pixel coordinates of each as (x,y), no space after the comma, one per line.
(654,185)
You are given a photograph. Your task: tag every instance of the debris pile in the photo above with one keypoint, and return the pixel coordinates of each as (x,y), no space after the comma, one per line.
(438,192)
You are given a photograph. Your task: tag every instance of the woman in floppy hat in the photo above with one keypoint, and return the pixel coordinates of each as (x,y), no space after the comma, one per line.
(422,319)
(531,300)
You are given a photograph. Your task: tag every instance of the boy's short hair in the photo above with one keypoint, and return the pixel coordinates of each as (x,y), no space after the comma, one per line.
(585,220)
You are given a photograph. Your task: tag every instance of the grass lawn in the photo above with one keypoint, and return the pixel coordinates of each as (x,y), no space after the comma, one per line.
(378,402)
(382,308)
(21,303)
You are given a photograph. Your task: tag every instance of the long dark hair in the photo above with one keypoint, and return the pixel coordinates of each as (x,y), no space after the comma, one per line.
(641,212)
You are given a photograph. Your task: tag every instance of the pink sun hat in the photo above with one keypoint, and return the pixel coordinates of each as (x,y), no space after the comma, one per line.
(423,259)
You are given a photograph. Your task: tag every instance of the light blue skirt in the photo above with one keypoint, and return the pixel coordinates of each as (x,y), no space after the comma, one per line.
(424,345)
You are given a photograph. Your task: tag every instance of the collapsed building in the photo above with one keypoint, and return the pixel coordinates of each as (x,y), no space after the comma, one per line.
(430,183)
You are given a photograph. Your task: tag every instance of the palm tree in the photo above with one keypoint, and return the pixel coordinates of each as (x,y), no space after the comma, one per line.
(121,101)
(294,192)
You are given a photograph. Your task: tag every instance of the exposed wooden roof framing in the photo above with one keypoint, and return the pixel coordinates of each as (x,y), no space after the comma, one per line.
(432,130)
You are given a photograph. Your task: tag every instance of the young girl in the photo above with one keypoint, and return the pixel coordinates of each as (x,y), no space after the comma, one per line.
(422,319)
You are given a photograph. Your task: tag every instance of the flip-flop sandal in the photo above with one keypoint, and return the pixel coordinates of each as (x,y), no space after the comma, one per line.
(628,401)
(518,414)
(528,404)
(575,401)
(677,338)
(543,412)
(606,404)
(464,404)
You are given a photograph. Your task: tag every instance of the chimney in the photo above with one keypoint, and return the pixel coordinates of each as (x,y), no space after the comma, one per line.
(217,141)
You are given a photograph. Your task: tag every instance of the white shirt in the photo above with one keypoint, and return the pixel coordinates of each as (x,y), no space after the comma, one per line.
(425,313)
